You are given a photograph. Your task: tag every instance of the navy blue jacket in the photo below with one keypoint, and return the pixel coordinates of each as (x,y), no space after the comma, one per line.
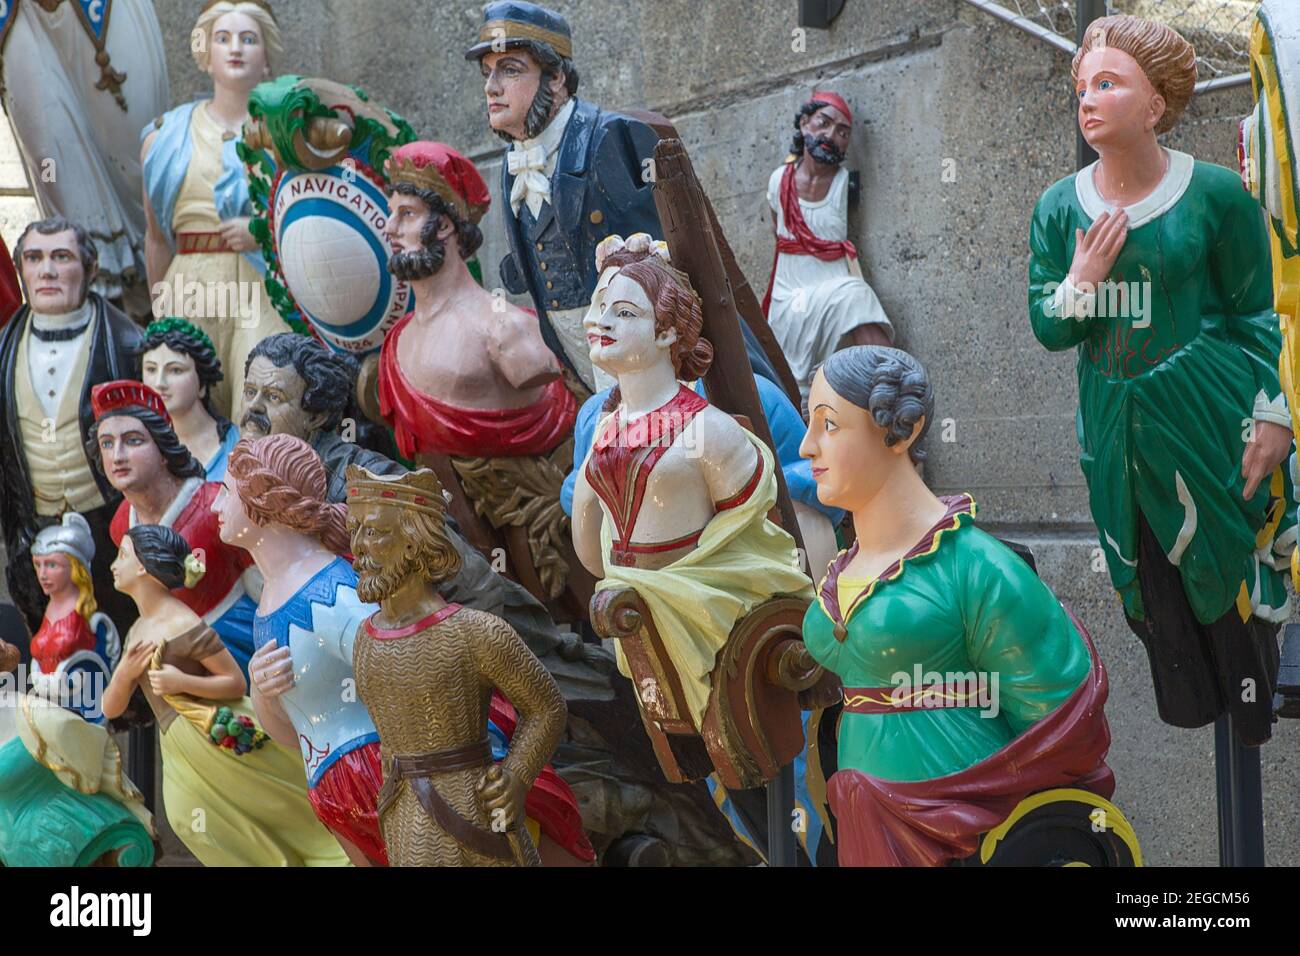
(600,187)
(597,189)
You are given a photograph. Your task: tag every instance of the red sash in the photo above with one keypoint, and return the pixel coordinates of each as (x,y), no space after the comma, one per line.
(805,241)
(931,822)
(424,424)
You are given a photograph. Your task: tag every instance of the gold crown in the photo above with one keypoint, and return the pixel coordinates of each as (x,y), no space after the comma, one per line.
(416,490)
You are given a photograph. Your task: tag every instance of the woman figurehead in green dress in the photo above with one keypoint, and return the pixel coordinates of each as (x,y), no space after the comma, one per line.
(967,686)
(1156,267)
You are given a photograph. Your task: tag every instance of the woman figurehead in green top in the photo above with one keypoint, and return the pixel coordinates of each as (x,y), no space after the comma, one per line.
(1157,268)
(967,686)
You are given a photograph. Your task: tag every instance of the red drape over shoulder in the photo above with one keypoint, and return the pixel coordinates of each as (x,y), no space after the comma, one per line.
(805,241)
(421,423)
(931,822)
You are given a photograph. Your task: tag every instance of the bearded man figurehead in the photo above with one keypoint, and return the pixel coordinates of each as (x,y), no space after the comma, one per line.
(399,539)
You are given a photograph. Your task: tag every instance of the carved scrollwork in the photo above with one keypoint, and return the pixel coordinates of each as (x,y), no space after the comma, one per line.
(617,613)
(795,668)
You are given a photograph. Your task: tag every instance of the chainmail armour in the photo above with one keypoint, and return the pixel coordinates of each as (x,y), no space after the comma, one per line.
(430,692)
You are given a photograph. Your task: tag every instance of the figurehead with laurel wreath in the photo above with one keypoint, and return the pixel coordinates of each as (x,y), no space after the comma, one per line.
(179,360)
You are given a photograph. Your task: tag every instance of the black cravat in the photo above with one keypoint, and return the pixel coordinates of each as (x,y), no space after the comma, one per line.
(58,335)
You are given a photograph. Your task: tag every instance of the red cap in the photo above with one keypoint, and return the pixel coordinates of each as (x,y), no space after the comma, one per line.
(438,167)
(832,99)
(109,397)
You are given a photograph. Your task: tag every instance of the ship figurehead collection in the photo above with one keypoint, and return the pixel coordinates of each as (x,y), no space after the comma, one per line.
(401,571)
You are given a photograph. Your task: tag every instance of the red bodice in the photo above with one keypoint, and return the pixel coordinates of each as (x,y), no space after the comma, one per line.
(56,641)
(621,461)
(198,526)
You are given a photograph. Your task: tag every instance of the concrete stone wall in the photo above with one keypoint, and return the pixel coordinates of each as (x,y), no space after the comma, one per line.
(935,85)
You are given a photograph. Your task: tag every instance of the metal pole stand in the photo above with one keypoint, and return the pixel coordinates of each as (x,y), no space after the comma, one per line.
(141,767)
(1241,797)
(781,849)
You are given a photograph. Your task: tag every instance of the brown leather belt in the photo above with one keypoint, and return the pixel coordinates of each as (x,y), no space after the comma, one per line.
(189,243)
(416,769)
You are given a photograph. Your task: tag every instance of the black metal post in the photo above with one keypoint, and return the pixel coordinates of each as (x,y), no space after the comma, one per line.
(141,765)
(781,849)
(1085,13)
(1241,797)
(1223,790)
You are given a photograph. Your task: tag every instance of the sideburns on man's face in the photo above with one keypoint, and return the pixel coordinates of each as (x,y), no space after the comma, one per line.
(511,82)
(521,99)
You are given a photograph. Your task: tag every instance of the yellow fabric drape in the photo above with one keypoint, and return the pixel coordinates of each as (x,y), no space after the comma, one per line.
(82,755)
(741,560)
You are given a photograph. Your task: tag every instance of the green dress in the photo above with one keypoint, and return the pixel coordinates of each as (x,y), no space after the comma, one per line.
(1171,374)
(961,602)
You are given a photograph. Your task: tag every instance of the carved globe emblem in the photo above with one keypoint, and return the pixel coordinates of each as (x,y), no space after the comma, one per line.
(313,149)
(327,226)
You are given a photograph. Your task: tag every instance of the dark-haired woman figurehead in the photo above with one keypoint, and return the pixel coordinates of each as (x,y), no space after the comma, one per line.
(132,441)
(181,364)
(923,595)
(252,802)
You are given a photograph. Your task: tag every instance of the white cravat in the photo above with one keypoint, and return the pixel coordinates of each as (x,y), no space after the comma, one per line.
(531,162)
(50,363)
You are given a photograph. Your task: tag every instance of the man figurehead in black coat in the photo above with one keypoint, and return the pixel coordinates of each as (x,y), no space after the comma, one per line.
(62,342)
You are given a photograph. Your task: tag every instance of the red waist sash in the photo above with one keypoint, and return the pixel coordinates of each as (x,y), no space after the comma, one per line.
(421,423)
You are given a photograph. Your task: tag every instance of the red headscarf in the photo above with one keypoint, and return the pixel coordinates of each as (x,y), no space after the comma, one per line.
(833,99)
